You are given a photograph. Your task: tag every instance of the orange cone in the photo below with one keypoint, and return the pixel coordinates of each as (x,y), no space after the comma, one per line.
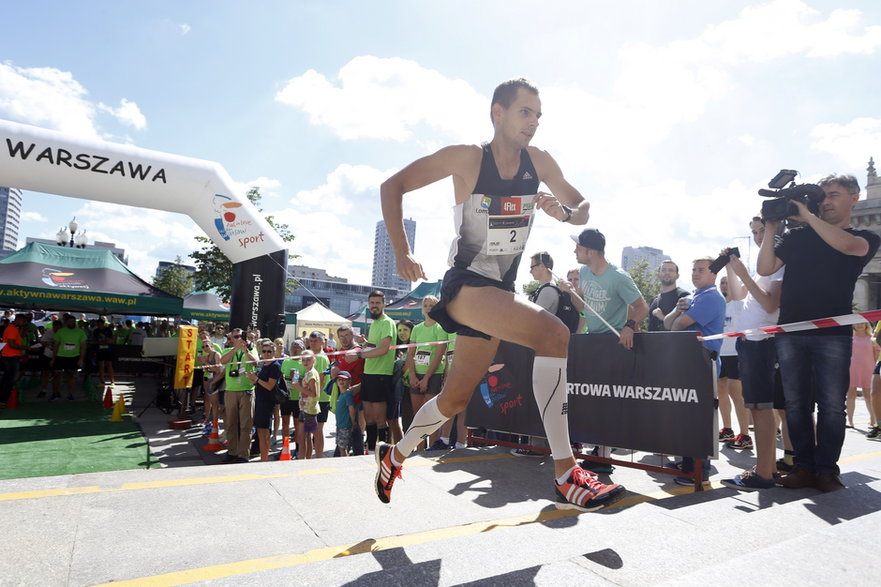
(108,398)
(213,440)
(13,399)
(285,450)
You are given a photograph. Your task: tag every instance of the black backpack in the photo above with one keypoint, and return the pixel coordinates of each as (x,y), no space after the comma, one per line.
(566,311)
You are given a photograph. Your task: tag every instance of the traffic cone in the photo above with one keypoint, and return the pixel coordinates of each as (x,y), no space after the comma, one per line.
(123,409)
(108,398)
(13,399)
(285,450)
(213,440)
(118,408)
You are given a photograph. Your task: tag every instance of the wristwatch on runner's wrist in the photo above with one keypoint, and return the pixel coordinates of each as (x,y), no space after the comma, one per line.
(630,324)
(568,212)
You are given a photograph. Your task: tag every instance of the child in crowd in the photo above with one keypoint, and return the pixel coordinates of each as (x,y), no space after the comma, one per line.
(309,409)
(345,413)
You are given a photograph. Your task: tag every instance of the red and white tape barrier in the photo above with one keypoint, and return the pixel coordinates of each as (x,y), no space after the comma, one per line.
(845,320)
(333,354)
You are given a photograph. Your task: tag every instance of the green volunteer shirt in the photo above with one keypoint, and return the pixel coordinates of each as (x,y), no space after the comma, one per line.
(240,383)
(451,347)
(70,341)
(383,327)
(321,365)
(287,367)
(426,354)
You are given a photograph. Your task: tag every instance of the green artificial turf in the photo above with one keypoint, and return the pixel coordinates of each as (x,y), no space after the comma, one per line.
(62,437)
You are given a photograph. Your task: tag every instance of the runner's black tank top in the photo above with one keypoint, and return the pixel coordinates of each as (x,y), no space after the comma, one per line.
(493,224)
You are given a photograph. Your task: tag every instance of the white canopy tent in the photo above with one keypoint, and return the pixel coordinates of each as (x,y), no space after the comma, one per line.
(314,317)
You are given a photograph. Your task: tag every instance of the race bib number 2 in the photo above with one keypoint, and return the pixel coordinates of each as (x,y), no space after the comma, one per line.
(507,224)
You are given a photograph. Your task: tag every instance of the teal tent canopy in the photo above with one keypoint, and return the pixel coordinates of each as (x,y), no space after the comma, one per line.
(50,277)
(205,306)
(409,307)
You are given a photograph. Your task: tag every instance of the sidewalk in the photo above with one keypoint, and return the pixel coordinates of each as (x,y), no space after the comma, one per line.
(468,516)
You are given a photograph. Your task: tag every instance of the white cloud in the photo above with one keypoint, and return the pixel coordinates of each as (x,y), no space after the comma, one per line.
(128,113)
(335,223)
(387,99)
(267,185)
(184,28)
(851,143)
(47,97)
(345,187)
(51,98)
(34,217)
(148,236)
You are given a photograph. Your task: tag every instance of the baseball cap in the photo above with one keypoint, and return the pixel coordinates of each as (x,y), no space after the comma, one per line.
(591,238)
(344,375)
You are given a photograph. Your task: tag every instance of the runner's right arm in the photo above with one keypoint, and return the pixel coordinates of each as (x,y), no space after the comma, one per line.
(422,172)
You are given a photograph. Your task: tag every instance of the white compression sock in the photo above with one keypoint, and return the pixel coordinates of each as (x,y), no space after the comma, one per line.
(549,386)
(427,420)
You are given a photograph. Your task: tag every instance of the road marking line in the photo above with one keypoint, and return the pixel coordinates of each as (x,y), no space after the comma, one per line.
(67,491)
(419,461)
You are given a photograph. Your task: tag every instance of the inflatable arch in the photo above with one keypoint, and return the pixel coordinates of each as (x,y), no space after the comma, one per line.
(41,160)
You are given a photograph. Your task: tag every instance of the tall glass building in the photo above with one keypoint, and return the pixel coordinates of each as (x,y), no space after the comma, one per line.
(384,270)
(10,217)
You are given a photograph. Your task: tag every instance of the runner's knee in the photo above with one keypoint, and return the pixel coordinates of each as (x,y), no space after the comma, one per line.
(553,342)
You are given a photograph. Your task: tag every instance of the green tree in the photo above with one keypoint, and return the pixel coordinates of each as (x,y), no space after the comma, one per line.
(214,269)
(529,288)
(647,282)
(175,279)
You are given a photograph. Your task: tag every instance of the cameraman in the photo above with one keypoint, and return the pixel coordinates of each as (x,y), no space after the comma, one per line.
(239,397)
(823,260)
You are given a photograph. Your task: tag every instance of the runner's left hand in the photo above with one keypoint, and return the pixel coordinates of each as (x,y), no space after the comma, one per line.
(550,205)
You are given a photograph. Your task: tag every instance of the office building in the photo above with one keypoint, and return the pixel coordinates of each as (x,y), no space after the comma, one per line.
(10,218)
(310,285)
(384,270)
(630,256)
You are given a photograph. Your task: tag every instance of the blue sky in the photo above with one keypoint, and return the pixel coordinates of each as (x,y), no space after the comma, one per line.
(666,116)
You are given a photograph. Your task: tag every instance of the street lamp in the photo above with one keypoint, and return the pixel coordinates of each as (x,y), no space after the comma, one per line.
(61,236)
(72,225)
(81,240)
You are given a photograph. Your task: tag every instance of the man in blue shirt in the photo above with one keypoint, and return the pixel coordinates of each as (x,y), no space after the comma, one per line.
(704,313)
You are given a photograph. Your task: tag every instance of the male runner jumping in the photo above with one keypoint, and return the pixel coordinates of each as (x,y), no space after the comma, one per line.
(496,189)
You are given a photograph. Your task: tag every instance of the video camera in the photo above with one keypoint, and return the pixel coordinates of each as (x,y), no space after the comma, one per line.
(781,206)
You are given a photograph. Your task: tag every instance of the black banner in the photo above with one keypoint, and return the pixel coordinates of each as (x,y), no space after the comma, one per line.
(258,291)
(659,397)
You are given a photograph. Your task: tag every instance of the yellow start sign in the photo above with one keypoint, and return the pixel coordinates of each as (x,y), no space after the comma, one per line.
(186,357)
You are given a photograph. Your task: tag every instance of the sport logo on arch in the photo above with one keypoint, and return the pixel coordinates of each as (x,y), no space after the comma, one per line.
(62,278)
(231,221)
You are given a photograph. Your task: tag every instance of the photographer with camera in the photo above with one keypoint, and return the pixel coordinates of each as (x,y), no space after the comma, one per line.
(239,397)
(756,359)
(823,259)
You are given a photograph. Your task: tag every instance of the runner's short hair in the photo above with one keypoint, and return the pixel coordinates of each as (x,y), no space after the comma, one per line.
(506,91)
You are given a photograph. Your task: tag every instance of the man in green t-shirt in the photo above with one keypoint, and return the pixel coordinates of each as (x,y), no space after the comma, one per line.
(377,386)
(239,397)
(71,343)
